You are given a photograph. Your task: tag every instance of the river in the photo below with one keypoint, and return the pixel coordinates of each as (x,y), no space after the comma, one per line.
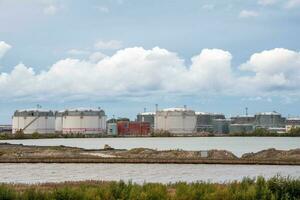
(164,173)
(139,173)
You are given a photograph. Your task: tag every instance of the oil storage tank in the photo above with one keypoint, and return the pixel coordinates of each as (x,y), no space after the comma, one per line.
(221,126)
(269,120)
(59,121)
(178,121)
(205,121)
(33,121)
(85,121)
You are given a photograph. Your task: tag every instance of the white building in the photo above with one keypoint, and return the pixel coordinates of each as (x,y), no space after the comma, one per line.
(33,120)
(86,121)
(59,121)
(176,121)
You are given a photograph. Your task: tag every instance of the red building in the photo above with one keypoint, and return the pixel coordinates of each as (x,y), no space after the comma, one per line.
(126,128)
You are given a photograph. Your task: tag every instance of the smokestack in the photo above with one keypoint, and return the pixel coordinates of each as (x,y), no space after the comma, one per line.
(156,107)
(145,109)
(246,111)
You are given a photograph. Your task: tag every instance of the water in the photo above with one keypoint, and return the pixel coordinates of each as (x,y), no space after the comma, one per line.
(139,173)
(237,145)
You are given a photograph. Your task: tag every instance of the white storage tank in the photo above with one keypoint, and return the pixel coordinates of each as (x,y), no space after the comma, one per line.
(85,121)
(179,121)
(33,120)
(59,121)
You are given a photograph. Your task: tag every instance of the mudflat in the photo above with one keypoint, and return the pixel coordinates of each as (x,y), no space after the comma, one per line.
(16,153)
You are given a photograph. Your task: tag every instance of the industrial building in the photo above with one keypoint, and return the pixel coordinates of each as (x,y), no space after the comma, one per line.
(112,127)
(178,121)
(241,128)
(204,121)
(129,128)
(33,121)
(269,120)
(243,119)
(221,126)
(292,123)
(84,121)
(59,121)
(146,117)
(5,128)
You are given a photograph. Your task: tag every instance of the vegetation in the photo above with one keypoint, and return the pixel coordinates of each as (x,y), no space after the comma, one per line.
(260,132)
(21,135)
(261,189)
(161,133)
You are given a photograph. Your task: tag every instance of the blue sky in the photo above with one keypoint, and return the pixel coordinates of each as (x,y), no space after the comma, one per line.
(124,55)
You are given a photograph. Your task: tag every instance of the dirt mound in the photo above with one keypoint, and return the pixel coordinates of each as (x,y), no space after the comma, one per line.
(221,154)
(178,154)
(274,154)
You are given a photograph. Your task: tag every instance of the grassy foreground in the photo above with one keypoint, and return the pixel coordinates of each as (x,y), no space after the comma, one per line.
(275,188)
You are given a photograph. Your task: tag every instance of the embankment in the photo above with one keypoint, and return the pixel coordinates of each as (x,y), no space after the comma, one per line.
(10,153)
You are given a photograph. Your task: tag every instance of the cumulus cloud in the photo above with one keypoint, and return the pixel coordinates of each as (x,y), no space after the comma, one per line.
(4,47)
(50,9)
(131,71)
(77,52)
(208,6)
(103,9)
(140,72)
(111,44)
(96,56)
(275,70)
(248,14)
(267,2)
(292,4)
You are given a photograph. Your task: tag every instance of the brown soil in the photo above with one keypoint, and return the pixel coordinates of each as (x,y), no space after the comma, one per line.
(274,154)
(22,153)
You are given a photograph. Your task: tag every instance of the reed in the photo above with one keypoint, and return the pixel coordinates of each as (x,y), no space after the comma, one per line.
(283,188)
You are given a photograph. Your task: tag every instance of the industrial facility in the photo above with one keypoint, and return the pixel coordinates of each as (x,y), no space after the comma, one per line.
(85,121)
(146,117)
(33,121)
(205,121)
(176,121)
(269,120)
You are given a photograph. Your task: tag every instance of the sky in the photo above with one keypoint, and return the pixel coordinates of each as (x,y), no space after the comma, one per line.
(127,55)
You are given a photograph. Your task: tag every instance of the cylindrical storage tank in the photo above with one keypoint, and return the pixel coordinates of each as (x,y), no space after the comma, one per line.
(269,120)
(205,121)
(59,121)
(176,121)
(221,126)
(240,128)
(33,121)
(85,121)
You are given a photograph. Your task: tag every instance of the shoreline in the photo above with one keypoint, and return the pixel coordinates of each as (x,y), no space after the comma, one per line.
(17,153)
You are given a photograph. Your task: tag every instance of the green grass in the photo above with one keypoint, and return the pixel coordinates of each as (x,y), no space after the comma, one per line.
(281,188)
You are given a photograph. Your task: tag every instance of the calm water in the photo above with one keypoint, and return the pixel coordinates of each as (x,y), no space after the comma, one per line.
(237,145)
(37,173)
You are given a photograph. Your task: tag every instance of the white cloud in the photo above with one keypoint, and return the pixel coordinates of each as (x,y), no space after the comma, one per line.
(103,9)
(292,4)
(276,70)
(97,56)
(51,9)
(208,6)
(248,14)
(267,2)
(111,44)
(77,52)
(134,72)
(4,47)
